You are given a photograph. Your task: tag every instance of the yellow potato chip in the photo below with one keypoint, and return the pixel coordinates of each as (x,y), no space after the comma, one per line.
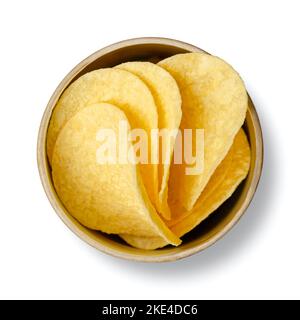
(103,196)
(216,179)
(214,99)
(229,174)
(168,101)
(114,86)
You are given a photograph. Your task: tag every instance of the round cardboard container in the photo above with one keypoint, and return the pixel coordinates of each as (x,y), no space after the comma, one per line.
(211,229)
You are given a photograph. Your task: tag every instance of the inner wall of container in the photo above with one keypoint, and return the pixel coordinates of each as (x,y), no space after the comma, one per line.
(139,52)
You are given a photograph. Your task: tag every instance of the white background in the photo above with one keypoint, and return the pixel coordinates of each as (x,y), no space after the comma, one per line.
(41,41)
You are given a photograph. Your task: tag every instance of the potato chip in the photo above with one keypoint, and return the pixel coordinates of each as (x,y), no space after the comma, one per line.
(168,101)
(214,99)
(103,196)
(229,174)
(114,86)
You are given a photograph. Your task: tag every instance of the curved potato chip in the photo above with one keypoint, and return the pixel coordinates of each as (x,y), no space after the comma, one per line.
(216,179)
(214,99)
(103,196)
(114,86)
(219,188)
(168,101)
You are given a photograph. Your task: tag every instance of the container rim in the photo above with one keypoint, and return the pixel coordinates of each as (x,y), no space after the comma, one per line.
(79,231)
